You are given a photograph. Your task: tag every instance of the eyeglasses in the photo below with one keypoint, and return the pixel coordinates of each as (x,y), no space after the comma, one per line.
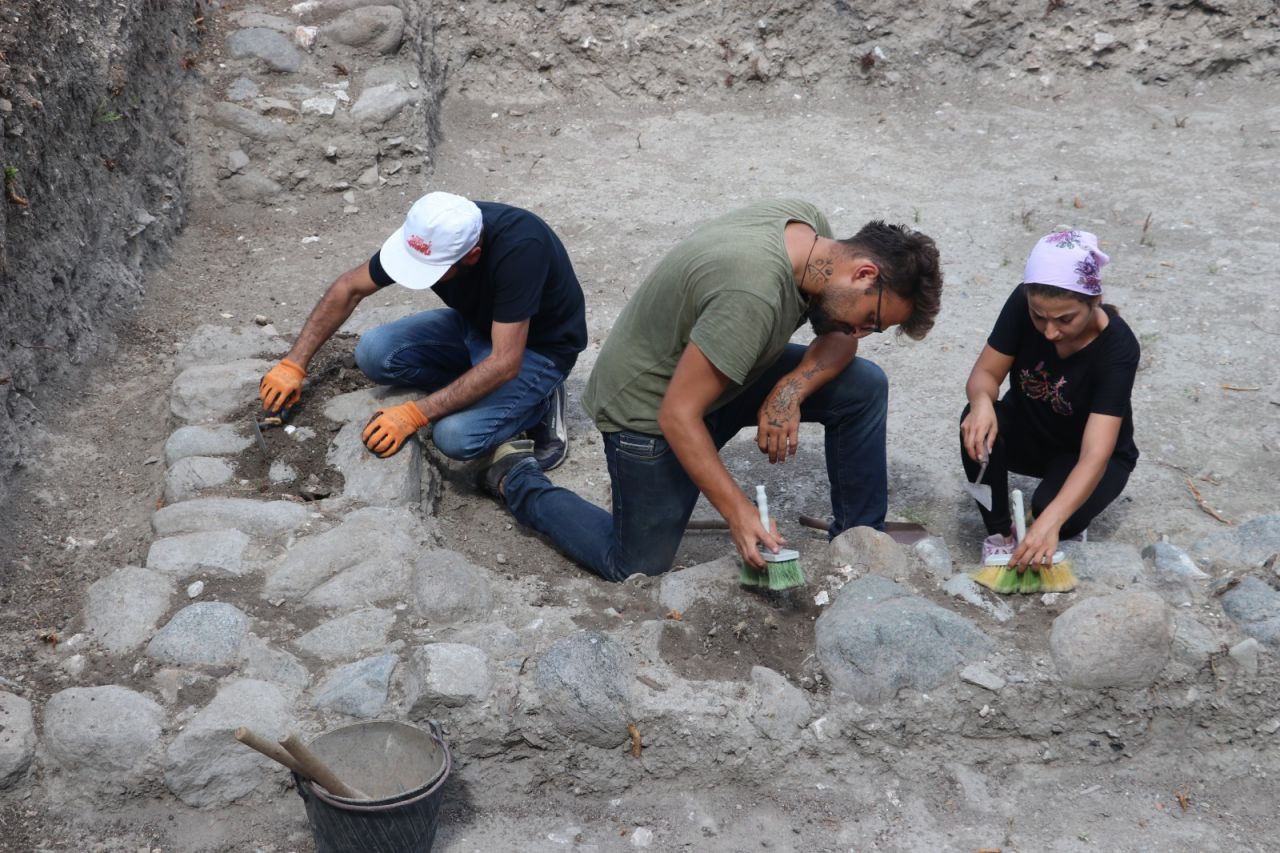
(879,301)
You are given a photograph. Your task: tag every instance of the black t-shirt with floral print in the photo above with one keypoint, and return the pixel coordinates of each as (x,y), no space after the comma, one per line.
(1053,396)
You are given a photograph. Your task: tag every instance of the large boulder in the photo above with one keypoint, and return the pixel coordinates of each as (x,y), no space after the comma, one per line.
(102,736)
(1119,640)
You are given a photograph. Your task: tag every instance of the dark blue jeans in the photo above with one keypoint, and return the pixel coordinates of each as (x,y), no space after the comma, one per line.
(427,351)
(653,497)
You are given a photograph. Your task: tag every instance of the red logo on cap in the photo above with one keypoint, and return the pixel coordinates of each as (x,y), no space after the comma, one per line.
(417,243)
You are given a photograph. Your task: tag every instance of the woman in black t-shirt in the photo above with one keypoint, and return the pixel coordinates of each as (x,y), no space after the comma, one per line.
(1066,417)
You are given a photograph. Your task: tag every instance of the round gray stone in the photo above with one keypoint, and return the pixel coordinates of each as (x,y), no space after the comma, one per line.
(207,632)
(102,736)
(1255,607)
(584,681)
(1119,640)
(869,552)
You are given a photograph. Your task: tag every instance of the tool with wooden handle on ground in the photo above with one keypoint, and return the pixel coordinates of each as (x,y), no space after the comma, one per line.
(294,755)
(902,532)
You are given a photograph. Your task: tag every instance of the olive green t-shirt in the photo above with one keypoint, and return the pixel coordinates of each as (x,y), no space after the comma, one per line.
(729,287)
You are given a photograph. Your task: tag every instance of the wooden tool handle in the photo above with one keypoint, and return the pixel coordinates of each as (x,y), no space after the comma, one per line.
(313,768)
(269,748)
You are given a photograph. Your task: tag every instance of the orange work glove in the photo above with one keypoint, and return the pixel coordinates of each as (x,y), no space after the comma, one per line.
(282,386)
(388,428)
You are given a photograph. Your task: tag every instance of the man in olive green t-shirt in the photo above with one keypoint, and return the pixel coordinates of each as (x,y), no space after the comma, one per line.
(702,350)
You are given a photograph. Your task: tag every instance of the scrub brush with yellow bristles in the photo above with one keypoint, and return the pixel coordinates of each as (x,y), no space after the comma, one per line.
(996,575)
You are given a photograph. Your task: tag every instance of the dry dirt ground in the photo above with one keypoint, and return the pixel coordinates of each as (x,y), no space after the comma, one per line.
(1179,182)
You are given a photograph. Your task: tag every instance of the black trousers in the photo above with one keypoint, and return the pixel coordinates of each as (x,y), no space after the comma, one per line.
(1018,451)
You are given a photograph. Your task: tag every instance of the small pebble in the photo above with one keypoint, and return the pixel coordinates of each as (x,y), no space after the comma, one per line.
(261,319)
(502,559)
(194,590)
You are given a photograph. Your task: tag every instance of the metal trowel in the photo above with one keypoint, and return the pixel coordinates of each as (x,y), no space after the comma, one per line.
(977,490)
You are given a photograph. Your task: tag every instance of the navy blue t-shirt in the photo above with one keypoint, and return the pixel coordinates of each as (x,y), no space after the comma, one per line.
(523,273)
(1053,396)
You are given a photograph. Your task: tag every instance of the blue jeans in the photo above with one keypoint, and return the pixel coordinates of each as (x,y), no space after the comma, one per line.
(427,351)
(653,497)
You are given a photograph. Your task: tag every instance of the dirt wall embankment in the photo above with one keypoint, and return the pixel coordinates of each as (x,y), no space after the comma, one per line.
(95,162)
(517,50)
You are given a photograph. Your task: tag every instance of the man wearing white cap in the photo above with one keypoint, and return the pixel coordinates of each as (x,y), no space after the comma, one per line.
(492,363)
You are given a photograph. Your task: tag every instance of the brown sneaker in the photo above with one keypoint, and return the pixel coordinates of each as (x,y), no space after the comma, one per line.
(504,458)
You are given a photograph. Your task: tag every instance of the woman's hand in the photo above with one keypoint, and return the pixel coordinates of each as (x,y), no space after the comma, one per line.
(978,429)
(1039,546)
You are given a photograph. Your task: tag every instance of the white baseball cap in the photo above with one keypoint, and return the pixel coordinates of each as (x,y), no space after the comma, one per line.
(439,230)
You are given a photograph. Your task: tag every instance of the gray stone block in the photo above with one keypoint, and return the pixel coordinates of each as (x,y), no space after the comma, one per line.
(392,537)
(220,344)
(1192,641)
(273,49)
(781,709)
(217,553)
(1110,564)
(1255,608)
(1170,561)
(262,519)
(204,766)
(449,675)
(252,185)
(261,661)
(102,736)
(369,479)
(377,28)
(584,681)
(195,474)
(357,689)
(366,583)
(205,440)
(348,636)
(380,104)
(214,392)
(1244,546)
(207,632)
(122,609)
(448,588)
(1118,640)
(17,739)
(877,638)
(247,122)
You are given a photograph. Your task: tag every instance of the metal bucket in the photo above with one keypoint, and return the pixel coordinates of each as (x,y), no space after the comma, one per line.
(401,767)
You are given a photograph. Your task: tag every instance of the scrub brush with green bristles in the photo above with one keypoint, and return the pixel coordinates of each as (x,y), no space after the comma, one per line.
(783,568)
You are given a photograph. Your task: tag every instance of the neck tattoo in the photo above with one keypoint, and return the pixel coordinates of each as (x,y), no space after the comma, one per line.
(804,272)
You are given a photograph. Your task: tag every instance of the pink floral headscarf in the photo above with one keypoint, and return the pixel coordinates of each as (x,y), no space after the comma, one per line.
(1067,259)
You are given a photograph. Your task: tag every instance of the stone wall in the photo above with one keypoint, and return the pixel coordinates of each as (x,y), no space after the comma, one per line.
(91,140)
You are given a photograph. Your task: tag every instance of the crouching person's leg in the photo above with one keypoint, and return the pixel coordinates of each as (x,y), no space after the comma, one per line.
(652,501)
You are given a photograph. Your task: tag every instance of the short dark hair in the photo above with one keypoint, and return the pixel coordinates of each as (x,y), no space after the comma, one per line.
(909,266)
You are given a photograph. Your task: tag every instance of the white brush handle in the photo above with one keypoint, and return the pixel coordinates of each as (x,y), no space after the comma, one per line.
(762,503)
(1019,517)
